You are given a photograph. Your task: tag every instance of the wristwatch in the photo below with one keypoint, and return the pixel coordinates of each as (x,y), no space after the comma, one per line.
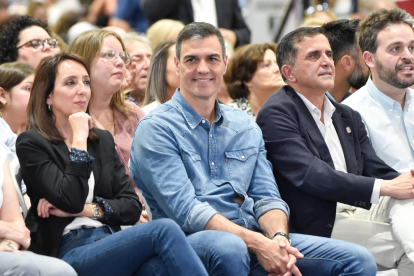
(282,234)
(95,211)
(9,244)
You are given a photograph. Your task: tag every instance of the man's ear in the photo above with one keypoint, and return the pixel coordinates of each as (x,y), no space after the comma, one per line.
(3,98)
(348,63)
(369,59)
(176,61)
(287,72)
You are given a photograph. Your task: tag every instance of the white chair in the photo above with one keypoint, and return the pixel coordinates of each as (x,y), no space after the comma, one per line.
(17,179)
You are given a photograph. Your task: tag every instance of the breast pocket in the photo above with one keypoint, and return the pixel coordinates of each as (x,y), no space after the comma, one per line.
(241,164)
(194,168)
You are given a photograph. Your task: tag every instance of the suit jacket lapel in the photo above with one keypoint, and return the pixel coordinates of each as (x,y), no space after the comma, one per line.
(312,128)
(344,129)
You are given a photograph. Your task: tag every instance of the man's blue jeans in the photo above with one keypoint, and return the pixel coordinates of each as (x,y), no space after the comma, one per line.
(226,254)
(154,248)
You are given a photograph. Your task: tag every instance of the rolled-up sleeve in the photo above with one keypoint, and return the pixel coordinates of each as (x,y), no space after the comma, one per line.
(159,172)
(263,188)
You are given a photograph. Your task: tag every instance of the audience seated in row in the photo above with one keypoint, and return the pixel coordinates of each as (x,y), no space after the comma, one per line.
(320,151)
(204,165)
(78,187)
(104,53)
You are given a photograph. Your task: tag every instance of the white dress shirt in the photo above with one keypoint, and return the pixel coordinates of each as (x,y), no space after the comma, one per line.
(331,138)
(390,128)
(205,11)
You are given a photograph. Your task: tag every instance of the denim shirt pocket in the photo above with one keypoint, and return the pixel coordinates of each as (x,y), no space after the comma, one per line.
(194,168)
(241,164)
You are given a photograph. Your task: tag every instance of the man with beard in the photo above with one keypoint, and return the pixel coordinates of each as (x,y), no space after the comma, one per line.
(350,67)
(320,151)
(386,39)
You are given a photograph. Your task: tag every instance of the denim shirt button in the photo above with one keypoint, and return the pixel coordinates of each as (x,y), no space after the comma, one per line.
(212,163)
(203,121)
(242,157)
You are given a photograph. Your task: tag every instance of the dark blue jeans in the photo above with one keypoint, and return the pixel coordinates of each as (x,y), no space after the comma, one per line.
(226,254)
(154,248)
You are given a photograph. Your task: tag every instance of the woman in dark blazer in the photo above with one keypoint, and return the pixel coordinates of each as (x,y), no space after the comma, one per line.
(79,191)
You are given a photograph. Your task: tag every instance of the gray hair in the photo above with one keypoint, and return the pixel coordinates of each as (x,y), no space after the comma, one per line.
(129,37)
(196,31)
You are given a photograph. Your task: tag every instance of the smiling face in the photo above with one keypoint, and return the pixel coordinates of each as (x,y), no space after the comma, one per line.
(314,69)
(140,60)
(267,76)
(107,75)
(201,68)
(27,53)
(71,92)
(393,63)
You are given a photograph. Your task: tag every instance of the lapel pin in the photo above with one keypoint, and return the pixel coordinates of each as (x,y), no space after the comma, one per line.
(348,129)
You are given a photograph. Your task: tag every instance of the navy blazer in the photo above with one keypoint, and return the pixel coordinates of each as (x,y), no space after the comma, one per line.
(303,166)
(228,15)
(48,173)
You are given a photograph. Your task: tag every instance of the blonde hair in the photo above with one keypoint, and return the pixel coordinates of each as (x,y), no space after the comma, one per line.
(162,30)
(87,45)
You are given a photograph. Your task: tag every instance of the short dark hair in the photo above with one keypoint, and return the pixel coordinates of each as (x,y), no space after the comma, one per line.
(341,35)
(242,66)
(287,49)
(377,21)
(199,30)
(39,116)
(10,36)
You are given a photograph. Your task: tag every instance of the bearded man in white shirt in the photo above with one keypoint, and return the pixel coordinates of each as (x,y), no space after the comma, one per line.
(386,39)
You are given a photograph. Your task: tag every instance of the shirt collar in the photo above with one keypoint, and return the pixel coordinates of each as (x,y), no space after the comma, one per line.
(383,99)
(328,107)
(191,116)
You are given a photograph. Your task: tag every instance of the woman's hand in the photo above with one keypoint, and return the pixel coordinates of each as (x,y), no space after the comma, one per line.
(143,218)
(45,209)
(81,123)
(15,232)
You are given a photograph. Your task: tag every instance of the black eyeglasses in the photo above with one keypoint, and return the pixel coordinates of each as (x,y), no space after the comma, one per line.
(40,43)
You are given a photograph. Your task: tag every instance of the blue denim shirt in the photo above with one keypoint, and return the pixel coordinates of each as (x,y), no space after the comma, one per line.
(189,171)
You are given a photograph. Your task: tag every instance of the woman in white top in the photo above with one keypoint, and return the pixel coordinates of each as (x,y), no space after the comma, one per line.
(15,237)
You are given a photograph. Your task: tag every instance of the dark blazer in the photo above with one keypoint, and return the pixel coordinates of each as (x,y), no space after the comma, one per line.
(303,166)
(228,15)
(48,173)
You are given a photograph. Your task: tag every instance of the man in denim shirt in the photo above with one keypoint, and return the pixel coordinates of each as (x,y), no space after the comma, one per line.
(204,165)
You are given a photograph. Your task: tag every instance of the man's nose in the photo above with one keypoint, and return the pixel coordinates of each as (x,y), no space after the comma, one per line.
(202,67)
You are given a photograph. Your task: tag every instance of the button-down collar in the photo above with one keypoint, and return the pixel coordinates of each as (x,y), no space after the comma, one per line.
(191,116)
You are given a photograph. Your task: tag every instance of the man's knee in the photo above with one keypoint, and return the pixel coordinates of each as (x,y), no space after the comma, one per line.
(222,253)
(362,262)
